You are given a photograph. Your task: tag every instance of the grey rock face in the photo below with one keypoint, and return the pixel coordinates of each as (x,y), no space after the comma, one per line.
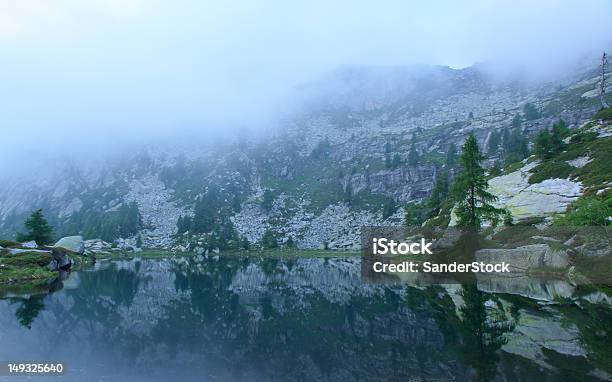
(159,212)
(533,333)
(541,289)
(61,262)
(525,258)
(71,243)
(526,200)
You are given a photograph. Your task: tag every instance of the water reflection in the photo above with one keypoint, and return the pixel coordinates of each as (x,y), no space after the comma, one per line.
(28,310)
(296,320)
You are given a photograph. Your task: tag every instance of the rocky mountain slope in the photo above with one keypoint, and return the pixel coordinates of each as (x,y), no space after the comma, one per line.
(327,169)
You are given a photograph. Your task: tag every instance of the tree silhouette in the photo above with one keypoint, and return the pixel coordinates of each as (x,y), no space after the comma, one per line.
(470,188)
(29,310)
(38,228)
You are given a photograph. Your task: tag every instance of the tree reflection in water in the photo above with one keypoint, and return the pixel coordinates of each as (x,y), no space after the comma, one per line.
(29,309)
(305,319)
(483,331)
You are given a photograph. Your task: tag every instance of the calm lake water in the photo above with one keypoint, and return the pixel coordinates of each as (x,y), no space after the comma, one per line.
(241,319)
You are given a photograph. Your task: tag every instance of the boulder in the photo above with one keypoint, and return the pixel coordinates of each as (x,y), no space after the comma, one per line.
(73,244)
(534,332)
(525,258)
(29,244)
(535,288)
(60,263)
(525,200)
(97,245)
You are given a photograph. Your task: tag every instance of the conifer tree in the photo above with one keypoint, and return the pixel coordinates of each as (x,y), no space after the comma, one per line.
(494,141)
(549,143)
(413,155)
(439,192)
(470,188)
(397,161)
(268,200)
(38,228)
(348,193)
(451,155)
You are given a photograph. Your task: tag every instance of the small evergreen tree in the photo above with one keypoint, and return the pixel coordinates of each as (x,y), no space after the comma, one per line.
(548,144)
(530,112)
(387,147)
(268,241)
(439,192)
(268,200)
(389,208)
(515,147)
(322,149)
(470,188)
(495,170)
(397,161)
(494,141)
(38,228)
(516,121)
(236,205)
(413,155)
(348,193)
(206,211)
(415,214)
(451,155)
(290,243)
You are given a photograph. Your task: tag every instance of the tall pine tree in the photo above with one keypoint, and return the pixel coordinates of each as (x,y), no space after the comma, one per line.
(470,189)
(38,228)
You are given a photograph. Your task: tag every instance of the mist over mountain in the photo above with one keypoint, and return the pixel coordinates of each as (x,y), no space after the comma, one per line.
(326,165)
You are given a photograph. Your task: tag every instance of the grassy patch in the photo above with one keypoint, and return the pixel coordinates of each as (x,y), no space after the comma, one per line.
(598,172)
(512,167)
(588,211)
(550,170)
(26,259)
(9,244)
(26,267)
(603,115)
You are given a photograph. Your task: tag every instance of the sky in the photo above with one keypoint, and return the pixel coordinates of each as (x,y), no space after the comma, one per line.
(93,72)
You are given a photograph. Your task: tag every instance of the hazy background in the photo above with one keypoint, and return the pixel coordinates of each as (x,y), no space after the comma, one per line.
(96,73)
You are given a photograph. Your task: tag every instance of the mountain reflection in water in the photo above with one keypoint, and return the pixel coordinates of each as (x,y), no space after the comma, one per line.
(246,319)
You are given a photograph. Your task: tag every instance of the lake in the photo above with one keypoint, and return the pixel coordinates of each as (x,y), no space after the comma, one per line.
(303,319)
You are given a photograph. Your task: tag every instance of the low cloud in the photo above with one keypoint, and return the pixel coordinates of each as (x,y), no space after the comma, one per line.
(108,71)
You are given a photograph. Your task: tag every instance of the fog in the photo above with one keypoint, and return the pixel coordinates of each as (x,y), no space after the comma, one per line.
(84,76)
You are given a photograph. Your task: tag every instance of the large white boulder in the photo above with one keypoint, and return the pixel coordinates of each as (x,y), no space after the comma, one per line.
(524,200)
(71,243)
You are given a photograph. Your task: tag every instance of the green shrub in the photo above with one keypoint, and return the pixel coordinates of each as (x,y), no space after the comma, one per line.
(9,244)
(583,137)
(268,241)
(550,170)
(25,259)
(588,210)
(603,115)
